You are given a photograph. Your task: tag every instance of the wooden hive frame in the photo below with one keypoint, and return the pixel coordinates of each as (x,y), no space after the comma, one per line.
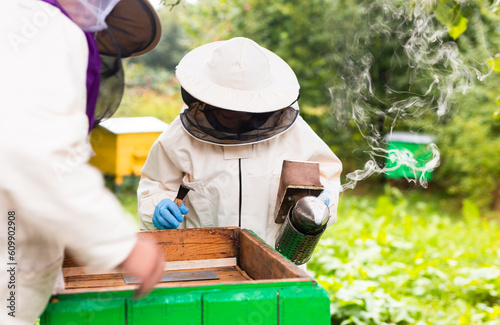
(235,255)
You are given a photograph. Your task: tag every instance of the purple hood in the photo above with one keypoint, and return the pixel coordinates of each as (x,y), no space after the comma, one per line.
(93,69)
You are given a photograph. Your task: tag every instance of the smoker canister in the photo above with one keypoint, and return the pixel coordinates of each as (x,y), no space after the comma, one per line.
(305,223)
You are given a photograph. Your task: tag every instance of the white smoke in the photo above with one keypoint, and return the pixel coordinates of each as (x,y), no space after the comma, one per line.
(433,64)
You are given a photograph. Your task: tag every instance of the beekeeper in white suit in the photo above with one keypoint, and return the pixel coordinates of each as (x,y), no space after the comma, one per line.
(239,122)
(51,200)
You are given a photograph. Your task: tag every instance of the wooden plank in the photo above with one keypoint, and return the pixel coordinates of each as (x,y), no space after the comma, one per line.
(188,244)
(261,262)
(178,276)
(200,264)
(215,249)
(112,281)
(69,260)
(245,275)
(196,244)
(177,285)
(169,266)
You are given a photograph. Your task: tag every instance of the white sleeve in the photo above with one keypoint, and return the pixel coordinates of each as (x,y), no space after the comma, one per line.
(44,144)
(330,165)
(160,179)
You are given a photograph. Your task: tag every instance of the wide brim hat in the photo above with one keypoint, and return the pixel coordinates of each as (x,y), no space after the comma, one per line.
(133,29)
(239,75)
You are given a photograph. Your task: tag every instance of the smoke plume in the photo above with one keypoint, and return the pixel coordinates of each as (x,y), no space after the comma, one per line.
(426,71)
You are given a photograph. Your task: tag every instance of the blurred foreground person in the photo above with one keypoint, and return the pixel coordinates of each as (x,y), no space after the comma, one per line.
(239,122)
(55,87)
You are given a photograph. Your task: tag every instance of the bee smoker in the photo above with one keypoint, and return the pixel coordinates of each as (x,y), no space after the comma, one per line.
(303,215)
(302,229)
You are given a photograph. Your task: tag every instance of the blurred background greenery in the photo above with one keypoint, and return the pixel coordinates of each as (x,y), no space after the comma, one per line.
(319,39)
(399,253)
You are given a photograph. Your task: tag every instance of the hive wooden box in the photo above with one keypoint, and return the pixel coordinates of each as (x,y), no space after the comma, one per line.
(123,144)
(256,285)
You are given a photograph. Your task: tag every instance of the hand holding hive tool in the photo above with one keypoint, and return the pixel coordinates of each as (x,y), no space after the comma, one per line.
(169,214)
(181,194)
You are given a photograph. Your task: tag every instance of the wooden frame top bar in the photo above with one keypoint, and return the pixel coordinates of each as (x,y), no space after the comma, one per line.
(236,255)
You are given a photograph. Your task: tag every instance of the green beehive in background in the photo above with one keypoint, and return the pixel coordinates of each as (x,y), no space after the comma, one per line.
(407,155)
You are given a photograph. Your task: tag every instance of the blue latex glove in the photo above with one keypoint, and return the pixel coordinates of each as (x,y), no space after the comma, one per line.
(325,196)
(168,215)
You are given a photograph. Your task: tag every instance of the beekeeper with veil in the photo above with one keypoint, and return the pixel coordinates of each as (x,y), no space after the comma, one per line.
(60,74)
(239,122)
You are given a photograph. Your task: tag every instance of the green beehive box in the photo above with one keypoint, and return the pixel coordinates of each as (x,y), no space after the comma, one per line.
(411,146)
(255,285)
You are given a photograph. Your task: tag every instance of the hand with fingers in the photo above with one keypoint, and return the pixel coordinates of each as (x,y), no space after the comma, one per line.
(146,263)
(325,196)
(168,215)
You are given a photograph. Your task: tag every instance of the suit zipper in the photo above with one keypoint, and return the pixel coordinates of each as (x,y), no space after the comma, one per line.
(241,196)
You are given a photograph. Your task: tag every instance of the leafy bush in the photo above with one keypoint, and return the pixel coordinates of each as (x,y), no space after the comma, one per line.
(395,260)
(150,92)
(470,147)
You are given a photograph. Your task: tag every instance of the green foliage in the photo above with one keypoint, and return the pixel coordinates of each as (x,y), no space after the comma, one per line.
(469,139)
(356,77)
(449,14)
(128,198)
(496,116)
(453,13)
(401,259)
(150,92)
(394,73)
(299,32)
(149,103)
(494,63)
(470,148)
(151,87)
(171,47)
(404,258)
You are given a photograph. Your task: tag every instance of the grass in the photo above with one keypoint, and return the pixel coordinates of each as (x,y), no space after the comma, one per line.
(409,258)
(127,195)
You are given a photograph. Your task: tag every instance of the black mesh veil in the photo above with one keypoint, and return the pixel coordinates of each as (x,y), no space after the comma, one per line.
(133,28)
(111,86)
(199,119)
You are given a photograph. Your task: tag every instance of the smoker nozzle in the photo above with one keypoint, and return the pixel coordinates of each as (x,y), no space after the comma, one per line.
(309,215)
(302,229)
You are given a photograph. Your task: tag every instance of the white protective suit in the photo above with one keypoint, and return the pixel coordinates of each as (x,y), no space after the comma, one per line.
(59,201)
(216,173)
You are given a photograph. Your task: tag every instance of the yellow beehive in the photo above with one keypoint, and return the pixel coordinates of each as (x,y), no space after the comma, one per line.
(123,144)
